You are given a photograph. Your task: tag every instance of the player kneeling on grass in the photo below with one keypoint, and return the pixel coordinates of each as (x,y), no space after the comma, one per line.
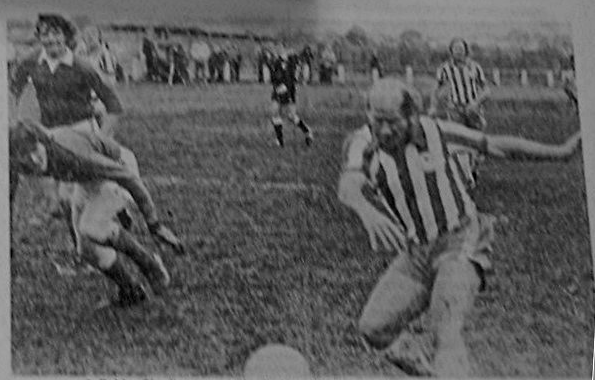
(284,80)
(96,163)
(423,212)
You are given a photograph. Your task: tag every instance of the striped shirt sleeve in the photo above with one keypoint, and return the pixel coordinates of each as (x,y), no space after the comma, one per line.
(459,138)
(354,149)
(357,152)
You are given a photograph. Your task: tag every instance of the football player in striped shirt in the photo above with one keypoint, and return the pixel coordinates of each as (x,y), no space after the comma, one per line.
(284,77)
(467,86)
(464,82)
(423,211)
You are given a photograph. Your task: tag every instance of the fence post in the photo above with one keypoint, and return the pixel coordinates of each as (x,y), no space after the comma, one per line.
(550,78)
(226,72)
(375,75)
(340,73)
(496,76)
(524,78)
(409,75)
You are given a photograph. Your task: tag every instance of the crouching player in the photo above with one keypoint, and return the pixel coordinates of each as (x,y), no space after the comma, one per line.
(424,213)
(102,170)
(284,79)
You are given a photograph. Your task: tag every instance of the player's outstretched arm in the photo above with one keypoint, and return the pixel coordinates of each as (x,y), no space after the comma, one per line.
(518,148)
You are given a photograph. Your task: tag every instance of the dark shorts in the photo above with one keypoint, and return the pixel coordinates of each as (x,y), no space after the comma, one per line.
(285,98)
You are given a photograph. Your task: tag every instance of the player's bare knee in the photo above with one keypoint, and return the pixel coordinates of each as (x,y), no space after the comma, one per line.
(375,331)
(100,232)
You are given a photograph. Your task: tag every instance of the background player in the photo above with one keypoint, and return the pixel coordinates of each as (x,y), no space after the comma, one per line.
(284,78)
(462,82)
(428,218)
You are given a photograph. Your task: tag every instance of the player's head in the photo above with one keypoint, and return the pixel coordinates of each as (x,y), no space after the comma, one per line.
(27,153)
(393,109)
(459,48)
(55,33)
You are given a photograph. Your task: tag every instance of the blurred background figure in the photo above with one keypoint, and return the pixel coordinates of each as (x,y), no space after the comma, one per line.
(235,60)
(218,61)
(151,57)
(178,65)
(375,66)
(264,60)
(306,58)
(328,60)
(200,53)
(227,74)
(97,52)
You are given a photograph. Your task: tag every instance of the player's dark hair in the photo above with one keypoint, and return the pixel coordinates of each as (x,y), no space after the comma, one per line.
(457,40)
(55,21)
(21,142)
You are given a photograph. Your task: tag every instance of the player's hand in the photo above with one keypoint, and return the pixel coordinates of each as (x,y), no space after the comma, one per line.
(381,229)
(432,111)
(572,144)
(281,89)
(472,107)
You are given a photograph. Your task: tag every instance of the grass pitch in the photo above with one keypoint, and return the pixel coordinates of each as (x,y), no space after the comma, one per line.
(286,263)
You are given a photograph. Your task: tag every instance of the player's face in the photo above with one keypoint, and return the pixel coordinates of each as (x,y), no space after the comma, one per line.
(390,129)
(35,159)
(458,51)
(53,41)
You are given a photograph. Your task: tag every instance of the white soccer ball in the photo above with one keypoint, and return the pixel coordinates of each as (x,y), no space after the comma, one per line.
(276,361)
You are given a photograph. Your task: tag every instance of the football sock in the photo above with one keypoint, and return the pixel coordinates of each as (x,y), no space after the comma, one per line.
(279,132)
(127,244)
(302,126)
(119,274)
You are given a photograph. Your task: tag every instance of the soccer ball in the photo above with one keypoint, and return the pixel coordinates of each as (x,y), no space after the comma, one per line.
(276,361)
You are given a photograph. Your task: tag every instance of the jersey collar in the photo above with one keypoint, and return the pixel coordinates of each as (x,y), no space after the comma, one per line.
(66,59)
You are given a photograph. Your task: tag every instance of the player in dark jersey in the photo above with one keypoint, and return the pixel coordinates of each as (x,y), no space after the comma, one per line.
(284,76)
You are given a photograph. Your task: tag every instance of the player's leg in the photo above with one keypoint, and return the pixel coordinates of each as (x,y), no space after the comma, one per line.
(456,284)
(298,122)
(66,193)
(277,122)
(104,168)
(52,200)
(398,298)
(99,225)
(92,231)
(455,287)
(107,260)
